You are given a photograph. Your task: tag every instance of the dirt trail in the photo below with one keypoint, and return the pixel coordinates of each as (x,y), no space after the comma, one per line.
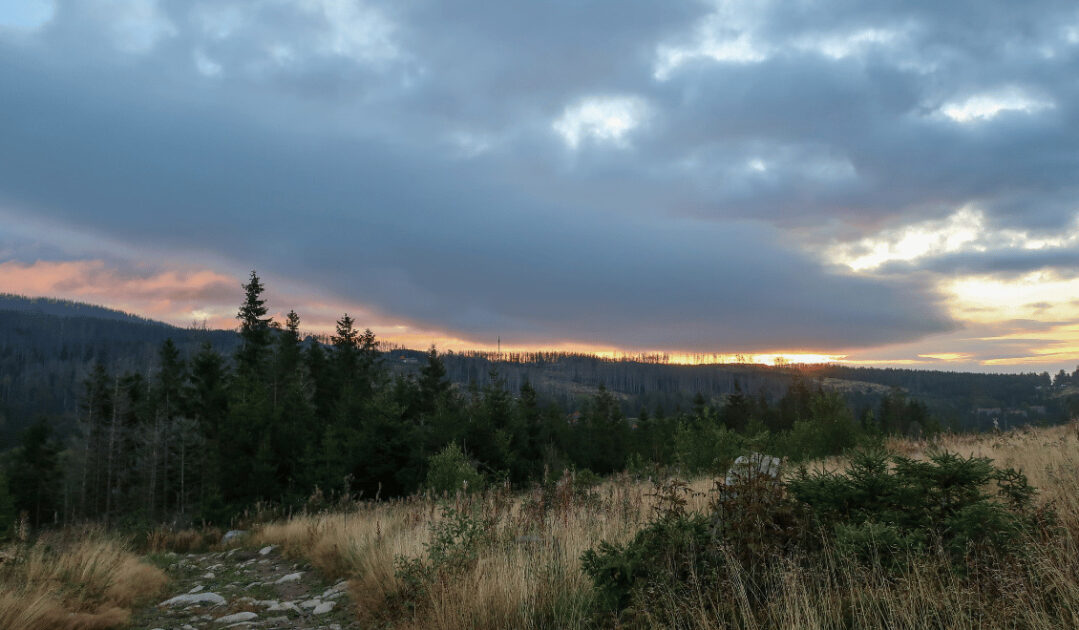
(243,588)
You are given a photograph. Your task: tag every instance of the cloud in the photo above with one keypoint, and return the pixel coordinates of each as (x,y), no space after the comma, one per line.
(603,119)
(412,157)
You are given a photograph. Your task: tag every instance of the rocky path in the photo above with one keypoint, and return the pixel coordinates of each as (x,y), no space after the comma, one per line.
(243,588)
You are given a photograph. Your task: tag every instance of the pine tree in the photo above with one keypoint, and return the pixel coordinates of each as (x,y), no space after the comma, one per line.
(255,331)
(35,474)
(434,387)
(169,403)
(96,412)
(7,508)
(293,409)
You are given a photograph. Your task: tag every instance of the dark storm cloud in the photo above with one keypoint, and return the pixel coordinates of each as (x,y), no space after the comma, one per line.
(405,156)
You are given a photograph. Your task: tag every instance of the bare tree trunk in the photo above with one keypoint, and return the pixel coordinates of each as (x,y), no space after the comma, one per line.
(112,443)
(86,457)
(153,465)
(183,461)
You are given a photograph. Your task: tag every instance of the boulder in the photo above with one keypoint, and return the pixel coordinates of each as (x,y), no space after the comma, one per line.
(195,598)
(236,618)
(233,535)
(291,577)
(754,466)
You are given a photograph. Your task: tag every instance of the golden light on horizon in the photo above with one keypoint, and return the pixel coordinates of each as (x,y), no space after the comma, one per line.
(1036,296)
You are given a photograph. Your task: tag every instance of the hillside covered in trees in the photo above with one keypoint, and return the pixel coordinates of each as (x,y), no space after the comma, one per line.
(138,421)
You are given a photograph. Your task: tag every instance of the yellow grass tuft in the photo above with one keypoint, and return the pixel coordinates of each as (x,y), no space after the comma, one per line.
(73,583)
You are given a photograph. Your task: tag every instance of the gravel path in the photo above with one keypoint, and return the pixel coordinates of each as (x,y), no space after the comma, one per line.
(243,588)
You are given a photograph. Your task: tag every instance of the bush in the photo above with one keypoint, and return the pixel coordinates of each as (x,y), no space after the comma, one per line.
(891,503)
(450,470)
(883,510)
(454,547)
(672,549)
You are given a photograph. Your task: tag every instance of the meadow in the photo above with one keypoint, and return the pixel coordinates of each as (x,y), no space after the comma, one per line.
(503,559)
(524,570)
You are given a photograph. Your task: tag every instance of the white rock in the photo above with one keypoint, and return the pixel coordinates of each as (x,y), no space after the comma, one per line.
(323,608)
(311,603)
(265,551)
(283,607)
(291,577)
(753,466)
(197,589)
(240,616)
(209,575)
(195,598)
(233,534)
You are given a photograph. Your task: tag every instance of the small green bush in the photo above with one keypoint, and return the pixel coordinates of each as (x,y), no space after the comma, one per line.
(891,503)
(450,470)
(454,547)
(672,548)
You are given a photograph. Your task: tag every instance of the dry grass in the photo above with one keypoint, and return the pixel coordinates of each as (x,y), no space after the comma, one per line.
(527,575)
(83,582)
(163,539)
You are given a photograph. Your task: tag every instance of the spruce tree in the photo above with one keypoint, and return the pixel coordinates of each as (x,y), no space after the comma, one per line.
(433,384)
(7,508)
(255,330)
(35,474)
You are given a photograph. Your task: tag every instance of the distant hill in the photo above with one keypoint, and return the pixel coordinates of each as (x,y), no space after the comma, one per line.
(47,347)
(66,308)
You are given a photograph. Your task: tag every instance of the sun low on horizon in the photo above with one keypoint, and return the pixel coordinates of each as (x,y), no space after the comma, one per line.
(707,182)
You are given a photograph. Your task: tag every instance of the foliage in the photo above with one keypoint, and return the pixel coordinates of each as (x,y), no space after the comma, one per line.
(451,471)
(672,548)
(456,539)
(7,509)
(883,510)
(889,504)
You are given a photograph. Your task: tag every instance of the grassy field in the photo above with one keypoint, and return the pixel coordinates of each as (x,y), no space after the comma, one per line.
(526,571)
(501,559)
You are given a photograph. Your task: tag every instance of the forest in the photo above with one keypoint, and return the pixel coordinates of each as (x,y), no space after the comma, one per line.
(206,434)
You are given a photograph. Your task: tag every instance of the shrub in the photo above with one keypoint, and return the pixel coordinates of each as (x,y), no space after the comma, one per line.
(888,502)
(673,548)
(883,510)
(450,470)
(454,547)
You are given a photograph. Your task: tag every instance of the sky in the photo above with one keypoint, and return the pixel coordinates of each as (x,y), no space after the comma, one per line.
(878,183)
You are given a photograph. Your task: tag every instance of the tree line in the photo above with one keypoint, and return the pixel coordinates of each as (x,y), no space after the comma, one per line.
(205,435)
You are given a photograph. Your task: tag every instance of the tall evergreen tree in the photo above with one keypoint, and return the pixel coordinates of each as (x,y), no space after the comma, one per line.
(7,508)
(35,474)
(255,331)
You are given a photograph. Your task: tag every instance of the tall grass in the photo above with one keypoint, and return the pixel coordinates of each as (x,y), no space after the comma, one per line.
(70,581)
(526,573)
